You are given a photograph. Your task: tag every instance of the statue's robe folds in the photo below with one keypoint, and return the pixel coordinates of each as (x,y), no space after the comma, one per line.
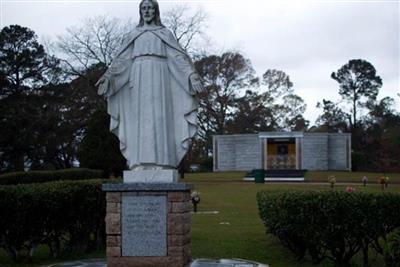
(152,106)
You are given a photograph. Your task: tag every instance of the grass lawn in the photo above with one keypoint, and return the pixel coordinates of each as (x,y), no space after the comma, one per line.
(344,176)
(310,176)
(236,231)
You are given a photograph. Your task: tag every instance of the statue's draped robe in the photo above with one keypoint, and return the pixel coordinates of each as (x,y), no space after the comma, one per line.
(150,101)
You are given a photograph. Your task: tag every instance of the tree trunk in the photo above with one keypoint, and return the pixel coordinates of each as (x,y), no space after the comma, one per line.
(365,254)
(354,113)
(18,161)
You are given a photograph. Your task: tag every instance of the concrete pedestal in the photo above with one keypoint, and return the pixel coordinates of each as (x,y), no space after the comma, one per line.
(148,224)
(151,176)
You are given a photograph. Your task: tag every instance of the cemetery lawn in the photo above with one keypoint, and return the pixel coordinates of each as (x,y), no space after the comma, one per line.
(350,177)
(227,224)
(310,176)
(236,231)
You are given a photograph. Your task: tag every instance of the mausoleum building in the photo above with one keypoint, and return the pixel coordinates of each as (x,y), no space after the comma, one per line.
(282,150)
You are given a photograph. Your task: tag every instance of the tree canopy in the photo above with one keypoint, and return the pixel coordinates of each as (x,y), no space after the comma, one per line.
(358,83)
(52,121)
(332,119)
(24,63)
(25,68)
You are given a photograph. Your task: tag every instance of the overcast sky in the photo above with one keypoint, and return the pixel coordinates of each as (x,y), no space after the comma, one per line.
(306,39)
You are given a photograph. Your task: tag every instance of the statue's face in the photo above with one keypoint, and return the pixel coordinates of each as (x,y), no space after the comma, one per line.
(148,12)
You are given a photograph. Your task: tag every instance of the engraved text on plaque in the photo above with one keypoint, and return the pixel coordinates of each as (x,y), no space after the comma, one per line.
(144,225)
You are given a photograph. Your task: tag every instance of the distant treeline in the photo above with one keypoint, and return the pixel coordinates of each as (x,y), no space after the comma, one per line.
(51,116)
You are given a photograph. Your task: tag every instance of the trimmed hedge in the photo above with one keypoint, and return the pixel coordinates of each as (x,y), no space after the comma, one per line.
(392,249)
(48,176)
(64,215)
(330,224)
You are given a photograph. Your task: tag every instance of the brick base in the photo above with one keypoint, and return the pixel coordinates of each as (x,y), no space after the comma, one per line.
(178,230)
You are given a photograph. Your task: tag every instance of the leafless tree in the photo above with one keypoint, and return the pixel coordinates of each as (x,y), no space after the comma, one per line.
(187,25)
(93,42)
(96,40)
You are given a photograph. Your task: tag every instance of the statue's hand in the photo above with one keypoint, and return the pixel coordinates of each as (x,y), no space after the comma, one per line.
(196,82)
(103,85)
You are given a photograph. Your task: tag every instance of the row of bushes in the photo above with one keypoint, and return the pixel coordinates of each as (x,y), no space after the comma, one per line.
(47,176)
(64,215)
(333,225)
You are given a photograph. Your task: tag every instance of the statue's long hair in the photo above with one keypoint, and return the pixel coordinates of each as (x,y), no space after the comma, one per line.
(157,13)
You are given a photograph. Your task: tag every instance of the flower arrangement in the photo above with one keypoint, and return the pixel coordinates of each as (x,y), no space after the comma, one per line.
(384,181)
(350,189)
(332,181)
(364,180)
(195,199)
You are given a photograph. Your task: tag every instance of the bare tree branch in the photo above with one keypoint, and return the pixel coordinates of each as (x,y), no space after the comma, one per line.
(93,42)
(186,25)
(96,40)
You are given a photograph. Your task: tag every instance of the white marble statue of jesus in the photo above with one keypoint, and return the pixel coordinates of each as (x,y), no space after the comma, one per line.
(150,88)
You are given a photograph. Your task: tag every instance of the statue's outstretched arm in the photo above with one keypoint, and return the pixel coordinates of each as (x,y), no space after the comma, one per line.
(196,83)
(103,84)
(186,65)
(116,77)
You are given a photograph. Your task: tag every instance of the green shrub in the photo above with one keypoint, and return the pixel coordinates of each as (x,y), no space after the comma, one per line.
(392,249)
(47,176)
(334,225)
(206,164)
(358,161)
(65,215)
(99,148)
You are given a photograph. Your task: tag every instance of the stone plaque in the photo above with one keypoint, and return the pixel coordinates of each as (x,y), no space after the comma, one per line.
(144,225)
